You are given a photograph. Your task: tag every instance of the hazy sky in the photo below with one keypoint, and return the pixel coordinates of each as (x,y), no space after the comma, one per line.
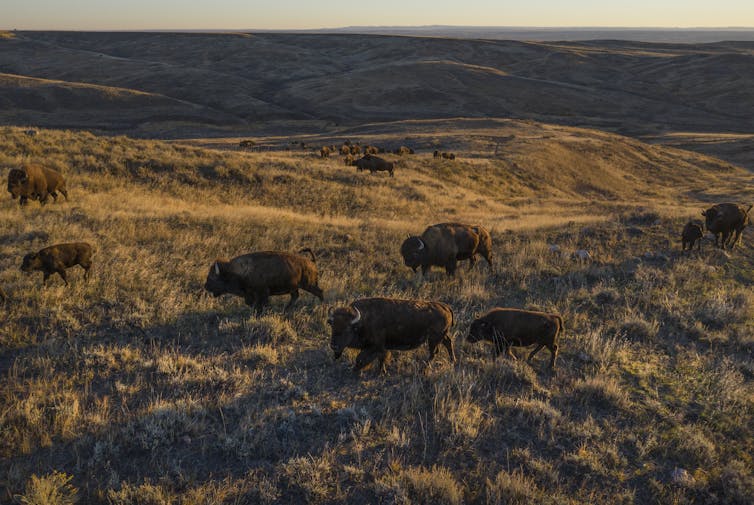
(296,14)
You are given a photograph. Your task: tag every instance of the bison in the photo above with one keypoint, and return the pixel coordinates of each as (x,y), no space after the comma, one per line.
(403,150)
(246,144)
(258,275)
(371,149)
(726,220)
(692,234)
(448,156)
(57,258)
(35,182)
(345,150)
(374,164)
(378,325)
(436,154)
(515,327)
(444,245)
(324,152)
(355,149)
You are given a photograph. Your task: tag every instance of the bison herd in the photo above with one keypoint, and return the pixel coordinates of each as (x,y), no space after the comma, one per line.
(374,326)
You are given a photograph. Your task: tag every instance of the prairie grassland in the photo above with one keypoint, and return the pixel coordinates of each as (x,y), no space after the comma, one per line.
(137,387)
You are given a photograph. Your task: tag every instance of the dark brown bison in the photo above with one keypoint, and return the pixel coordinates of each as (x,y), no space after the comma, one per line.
(515,327)
(726,220)
(444,245)
(35,182)
(57,258)
(375,164)
(258,275)
(436,154)
(448,156)
(378,325)
(692,234)
(324,152)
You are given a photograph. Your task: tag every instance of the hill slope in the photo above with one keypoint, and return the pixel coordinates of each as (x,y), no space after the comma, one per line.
(140,388)
(634,88)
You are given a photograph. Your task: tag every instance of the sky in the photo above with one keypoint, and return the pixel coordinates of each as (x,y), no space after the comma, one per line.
(306,14)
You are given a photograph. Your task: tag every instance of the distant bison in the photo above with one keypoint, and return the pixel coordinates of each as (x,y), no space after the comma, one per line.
(378,325)
(355,149)
(514,327)
(436,154)
(375,164)
(444,245)
(324,152)
(448,156)
(692,234)
(258,275)
(403,150)
(57,258)
(246,144)
(726,220)
(345,150)
(371,150)
(349,160)
(35,182)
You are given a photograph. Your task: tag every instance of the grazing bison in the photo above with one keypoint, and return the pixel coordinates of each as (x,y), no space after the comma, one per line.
(444,245)
(375,164)
(378,325)
(258,275)
(403,150)
(57,258)
(692,234)
(35,182)
(324,152)
(515,327)
(726,220)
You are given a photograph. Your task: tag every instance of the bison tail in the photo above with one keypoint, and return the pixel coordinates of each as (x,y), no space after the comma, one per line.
(561,326)
(307,250)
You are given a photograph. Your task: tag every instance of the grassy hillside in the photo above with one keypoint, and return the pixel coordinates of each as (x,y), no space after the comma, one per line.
(637,88)
(137,387)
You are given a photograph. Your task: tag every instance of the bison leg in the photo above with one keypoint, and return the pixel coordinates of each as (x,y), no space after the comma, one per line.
(472,261)
(294,297)
(61,273)
(554,353)
(86,268)
(54,196)
(535,351)
(367,356)
(64,192)
(46,275)
(448,343)
(450,267)
(263,299)
(698,245)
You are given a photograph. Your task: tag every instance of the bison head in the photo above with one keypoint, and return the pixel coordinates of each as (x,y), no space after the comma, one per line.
(221,280)
(413,250)
(344,323)
(17,181)
(481,329)
(31,262)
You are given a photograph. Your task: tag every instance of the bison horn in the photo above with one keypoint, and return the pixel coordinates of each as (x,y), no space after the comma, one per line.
(217,268)
(358,316)
(421,244)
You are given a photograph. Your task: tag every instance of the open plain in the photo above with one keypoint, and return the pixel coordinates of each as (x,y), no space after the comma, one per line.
(137,387)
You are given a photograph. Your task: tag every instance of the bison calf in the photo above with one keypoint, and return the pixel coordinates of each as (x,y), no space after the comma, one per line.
(515,327)
(57,258)
(378,325)
(692,234)
(258,275)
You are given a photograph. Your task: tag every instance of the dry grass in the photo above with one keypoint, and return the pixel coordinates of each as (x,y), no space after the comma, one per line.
(145,390)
